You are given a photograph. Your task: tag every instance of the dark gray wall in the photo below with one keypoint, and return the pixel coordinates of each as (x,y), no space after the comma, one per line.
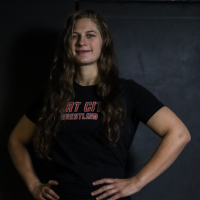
(158,45)
(29,30)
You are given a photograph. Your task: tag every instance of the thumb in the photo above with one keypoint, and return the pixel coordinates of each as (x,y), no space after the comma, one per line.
(52,182)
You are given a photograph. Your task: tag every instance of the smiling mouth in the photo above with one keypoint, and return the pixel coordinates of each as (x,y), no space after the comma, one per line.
(83,52)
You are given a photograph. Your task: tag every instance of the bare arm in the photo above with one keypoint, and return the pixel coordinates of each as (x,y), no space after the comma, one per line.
(19,138)
(175,136)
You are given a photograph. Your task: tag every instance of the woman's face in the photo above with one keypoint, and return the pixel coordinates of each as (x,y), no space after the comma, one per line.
(86,42)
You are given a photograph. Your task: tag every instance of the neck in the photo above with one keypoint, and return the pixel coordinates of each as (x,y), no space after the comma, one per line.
(86,75)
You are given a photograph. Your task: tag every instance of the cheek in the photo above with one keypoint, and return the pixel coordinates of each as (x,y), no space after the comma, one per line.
(72,47)
(97,45)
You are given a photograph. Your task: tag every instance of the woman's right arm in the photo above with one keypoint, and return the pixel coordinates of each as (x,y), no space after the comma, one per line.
(19,138)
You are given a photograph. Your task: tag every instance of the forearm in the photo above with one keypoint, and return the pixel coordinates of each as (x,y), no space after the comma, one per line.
(22,161)
(168,150)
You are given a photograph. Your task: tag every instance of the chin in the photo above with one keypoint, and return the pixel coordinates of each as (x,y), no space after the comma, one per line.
(83,63)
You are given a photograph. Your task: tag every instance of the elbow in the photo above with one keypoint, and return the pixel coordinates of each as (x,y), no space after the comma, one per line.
(188,137)
(185,136)
(12,143)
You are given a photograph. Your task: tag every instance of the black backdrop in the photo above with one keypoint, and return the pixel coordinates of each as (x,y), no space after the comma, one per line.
(158,45)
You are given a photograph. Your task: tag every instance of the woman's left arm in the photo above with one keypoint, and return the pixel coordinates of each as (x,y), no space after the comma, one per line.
(175,136)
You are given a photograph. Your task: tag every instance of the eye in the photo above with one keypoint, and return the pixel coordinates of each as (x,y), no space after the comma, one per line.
(90,35)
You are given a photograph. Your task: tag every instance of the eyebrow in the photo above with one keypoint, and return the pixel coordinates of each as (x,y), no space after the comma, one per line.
(86,31)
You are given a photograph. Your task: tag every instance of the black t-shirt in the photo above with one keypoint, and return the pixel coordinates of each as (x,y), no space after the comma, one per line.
(82,153)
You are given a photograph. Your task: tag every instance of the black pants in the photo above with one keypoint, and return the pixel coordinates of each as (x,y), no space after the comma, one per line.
(94,198)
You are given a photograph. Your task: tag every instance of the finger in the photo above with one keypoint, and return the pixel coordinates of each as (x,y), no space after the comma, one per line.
(104,180)
(52,193)
(41,198)
(115,196)
(106,194)
(52,182)
(102,189)
(50,197)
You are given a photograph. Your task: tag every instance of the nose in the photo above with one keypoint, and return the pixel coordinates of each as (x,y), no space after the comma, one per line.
(82,41)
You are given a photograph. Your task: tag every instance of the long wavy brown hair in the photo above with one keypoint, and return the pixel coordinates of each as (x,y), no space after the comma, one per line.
(60,89)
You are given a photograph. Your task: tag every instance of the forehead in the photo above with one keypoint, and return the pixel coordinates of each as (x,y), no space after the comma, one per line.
(85,24)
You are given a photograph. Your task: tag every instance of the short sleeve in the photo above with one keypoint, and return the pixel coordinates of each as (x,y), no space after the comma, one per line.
(35,107)
(146,104)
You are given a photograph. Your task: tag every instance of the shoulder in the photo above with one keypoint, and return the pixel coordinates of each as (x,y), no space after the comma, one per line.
(128,82)
(138,96)
(129,85)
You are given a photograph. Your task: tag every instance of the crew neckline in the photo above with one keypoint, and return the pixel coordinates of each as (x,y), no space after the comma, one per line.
(84,86)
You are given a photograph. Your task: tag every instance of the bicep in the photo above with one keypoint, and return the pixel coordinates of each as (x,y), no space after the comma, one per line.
(23,131)
(163,121)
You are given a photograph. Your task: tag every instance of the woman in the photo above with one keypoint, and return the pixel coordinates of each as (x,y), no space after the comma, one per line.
(84,123)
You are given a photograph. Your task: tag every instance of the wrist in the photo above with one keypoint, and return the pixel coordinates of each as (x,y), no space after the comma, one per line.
(32,185)
(138,182)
